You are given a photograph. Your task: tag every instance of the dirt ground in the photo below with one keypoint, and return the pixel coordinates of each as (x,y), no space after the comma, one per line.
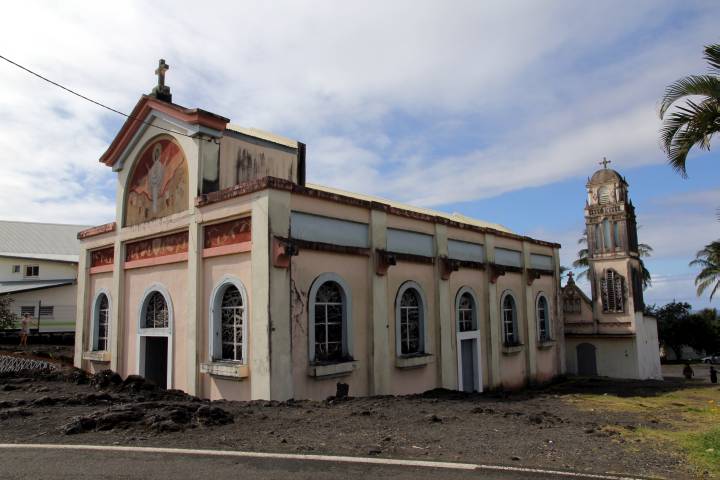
(556,427)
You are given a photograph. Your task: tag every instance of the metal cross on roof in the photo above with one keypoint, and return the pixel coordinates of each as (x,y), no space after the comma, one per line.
(160,72)
(604,162)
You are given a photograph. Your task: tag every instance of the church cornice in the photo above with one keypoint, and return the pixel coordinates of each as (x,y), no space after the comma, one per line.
(282,184)
(138,120)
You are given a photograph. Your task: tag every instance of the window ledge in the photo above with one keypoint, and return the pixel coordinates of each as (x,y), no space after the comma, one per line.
(96,356)
(512,349)
(413,361)
(331,369)
(546,344)
(232,370)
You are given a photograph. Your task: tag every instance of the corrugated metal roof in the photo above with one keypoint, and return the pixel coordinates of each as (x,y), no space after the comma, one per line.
(49,241)
(24,286)
(457,217)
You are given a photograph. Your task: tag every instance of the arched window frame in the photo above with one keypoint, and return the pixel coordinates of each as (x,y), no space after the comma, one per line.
(346,314)
(612,293)
(95,316)
(516,341)
(215,316)
(548,318)
(422,341)
(475,316)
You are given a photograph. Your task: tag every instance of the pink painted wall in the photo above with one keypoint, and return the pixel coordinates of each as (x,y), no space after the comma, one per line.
(214,269)
(173,277)
(96,283)
(548,361)
(353,269)
(513,367)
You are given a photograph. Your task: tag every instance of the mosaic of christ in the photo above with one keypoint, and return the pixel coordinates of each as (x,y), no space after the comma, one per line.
(159,183)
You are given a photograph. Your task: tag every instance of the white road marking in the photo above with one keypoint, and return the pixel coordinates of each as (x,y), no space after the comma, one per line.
(320,458)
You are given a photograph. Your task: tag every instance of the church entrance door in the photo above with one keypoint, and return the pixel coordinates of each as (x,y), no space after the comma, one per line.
(586,360)
(156,360)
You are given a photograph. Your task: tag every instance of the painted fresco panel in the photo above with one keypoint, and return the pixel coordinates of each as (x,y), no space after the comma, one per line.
(158,186)
(157,247)
(227,233)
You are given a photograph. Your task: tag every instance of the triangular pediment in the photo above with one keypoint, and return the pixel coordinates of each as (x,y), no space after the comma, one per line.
(187,121)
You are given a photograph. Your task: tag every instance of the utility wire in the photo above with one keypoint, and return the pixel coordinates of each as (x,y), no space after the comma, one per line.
(96,102)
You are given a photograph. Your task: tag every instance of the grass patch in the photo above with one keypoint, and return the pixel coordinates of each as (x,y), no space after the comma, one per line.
(684,420)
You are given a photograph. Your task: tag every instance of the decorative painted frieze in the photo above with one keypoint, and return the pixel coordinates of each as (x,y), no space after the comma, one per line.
(102,257)
(173,244)
(227,233)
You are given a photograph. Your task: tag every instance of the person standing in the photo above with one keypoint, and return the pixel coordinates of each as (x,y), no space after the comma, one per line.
(713,374)
(24,329)
(688,372)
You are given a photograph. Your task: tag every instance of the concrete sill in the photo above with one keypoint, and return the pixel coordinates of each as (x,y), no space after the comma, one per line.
(331,370)
(512,349)
(230,370)
(545,344)
(103,356)
(413,361)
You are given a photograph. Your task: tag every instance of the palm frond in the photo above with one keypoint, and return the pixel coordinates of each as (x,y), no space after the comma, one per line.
(712,55)
(705,85)
(690,125)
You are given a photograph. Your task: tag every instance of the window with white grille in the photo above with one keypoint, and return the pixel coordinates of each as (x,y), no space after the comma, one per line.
(511,335)
(232,323)
(102,323)
(542,311)
(329,320)
(157,314)
(467,319)
(410,320)
(612,292)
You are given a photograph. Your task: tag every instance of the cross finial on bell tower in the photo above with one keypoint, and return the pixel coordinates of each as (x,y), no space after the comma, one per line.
(161,91)
(605,162)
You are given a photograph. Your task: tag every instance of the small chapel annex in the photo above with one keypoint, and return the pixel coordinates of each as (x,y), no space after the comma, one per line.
(226,275)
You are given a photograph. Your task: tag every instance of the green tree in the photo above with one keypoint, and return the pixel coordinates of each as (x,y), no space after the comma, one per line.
(583,265)
(695,121)
(671,324)
(7,317)
(708,259)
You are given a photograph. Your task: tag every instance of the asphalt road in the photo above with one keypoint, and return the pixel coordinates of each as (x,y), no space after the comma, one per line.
(37,463)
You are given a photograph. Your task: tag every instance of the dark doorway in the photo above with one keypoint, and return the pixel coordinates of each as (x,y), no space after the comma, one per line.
(468,357)
(156,358)
(587,363)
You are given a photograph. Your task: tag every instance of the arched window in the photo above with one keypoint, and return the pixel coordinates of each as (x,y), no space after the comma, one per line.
(466,315)
(612,291)
(101,323)
(232,313)
(229,321)
(542,311)
(329,320)
(156,312)
(410,320)
(511,335)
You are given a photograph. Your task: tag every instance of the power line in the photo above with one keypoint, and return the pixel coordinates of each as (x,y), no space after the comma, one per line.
(96,102)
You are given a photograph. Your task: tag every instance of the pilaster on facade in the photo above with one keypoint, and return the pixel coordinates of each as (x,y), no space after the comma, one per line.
(195,305)
(81,320)
(379,341)
(447,367)
(117,325)
(494,342)
(529,315)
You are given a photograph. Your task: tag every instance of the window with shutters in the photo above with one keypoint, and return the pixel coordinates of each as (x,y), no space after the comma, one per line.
(47,311)
(612,292)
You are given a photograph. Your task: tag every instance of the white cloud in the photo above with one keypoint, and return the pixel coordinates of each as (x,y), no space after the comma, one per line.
(512,94)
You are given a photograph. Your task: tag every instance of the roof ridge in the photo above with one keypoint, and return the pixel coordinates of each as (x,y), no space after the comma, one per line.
(44,223)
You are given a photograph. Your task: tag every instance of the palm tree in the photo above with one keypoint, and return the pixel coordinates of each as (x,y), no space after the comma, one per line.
(694,122)
(582,263)
(709,259)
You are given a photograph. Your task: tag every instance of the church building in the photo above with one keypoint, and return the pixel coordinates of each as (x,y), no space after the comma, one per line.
(609,335)
(226,275)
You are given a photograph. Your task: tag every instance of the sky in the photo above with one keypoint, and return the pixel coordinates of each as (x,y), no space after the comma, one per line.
(498,110)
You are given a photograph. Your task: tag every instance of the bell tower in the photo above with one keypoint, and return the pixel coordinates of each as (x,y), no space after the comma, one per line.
(614,268)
